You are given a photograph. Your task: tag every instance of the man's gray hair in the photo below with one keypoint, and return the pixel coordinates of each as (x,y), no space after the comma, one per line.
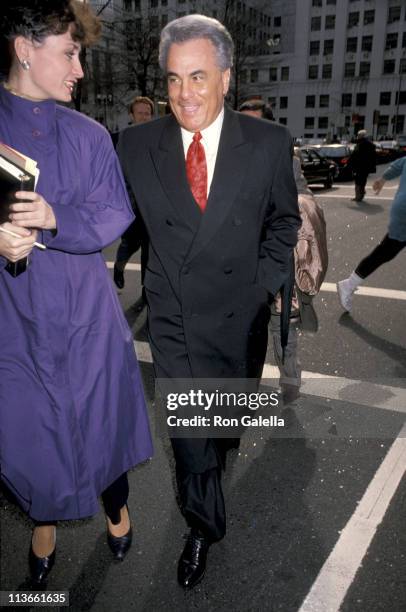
(192,27)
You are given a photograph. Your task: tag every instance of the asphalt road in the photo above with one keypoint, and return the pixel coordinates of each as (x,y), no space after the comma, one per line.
(316,515)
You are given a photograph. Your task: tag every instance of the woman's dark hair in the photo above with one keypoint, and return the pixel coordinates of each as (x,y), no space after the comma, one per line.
(37,19)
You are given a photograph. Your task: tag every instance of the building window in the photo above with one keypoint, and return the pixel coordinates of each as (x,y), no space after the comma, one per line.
(328,47)
(402,66)
(385,98)
(402,97)
(349,69)
(309,123)
(324,101)
(313,72)
(327,71)
(273,73)
(314,47)
(283,102)
(315,24)
(364,69)
(391,41)
(361,99)
(164,2)
(383,125)
(353,19)
(164,20)
(330,22)
(323,123)
(285,73)
(404,39)
(352,44)
(317,3)
(272,101)
(277,22)
(153,3)
(393,14)
(254,75)
(369,17)
(283,120)
(310,101)
(389,66)
(398,123)
(366,44)
(331,2)
(346,100)
(243,77)
(128,5)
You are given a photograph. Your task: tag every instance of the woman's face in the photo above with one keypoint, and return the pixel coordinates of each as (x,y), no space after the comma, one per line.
(54,68)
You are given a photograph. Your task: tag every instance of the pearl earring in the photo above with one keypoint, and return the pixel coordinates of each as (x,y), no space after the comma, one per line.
(25,64)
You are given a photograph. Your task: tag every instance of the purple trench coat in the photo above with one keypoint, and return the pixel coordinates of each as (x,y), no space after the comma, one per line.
(72,410)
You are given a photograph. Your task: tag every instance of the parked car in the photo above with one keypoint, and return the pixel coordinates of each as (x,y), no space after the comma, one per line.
(316,168)
(383,156)
(401,140)
(392,147)
(339,154)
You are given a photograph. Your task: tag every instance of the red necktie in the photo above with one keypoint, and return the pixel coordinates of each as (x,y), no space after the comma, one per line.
(196,170)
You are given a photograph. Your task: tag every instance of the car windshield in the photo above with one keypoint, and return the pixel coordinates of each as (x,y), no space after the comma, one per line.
(333,151)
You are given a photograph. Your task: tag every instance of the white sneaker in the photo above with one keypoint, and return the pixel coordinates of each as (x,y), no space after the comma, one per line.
(345,293)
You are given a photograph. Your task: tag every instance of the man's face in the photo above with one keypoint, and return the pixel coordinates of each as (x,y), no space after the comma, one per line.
(196,85)
(141,112)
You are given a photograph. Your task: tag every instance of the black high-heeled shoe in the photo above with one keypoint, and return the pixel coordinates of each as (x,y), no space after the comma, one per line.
(120,545)
(40,567)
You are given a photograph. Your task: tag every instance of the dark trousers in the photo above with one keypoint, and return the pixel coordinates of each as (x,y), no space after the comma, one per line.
(134,237)
(385,251)
(113,498)
(360,182)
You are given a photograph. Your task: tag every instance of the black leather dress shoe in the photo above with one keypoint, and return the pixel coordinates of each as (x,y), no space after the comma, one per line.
(192,562)
(40,567)
(118,276)
(120,546)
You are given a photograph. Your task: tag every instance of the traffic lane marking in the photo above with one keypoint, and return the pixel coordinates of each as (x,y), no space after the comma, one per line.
(392,294)
(363,393)
(339,570)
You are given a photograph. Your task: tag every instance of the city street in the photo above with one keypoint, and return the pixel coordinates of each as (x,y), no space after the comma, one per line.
(316,514)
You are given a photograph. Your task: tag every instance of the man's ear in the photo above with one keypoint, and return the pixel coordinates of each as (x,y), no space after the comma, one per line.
(226,80)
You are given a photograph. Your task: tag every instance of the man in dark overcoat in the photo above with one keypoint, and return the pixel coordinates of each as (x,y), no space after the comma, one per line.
(362,162)
(216,193)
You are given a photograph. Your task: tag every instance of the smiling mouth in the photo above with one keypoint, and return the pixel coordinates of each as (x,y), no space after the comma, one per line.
(70,85)
(190,110)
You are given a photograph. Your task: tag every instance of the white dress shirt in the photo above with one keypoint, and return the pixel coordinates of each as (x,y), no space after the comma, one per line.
(210,141)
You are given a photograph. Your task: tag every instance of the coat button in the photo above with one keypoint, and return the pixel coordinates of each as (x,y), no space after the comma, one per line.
(229,314)
(169,222)
(36,110)
(227,270)
(36,133)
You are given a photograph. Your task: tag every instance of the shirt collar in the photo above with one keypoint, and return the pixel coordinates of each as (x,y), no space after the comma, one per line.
(209,134)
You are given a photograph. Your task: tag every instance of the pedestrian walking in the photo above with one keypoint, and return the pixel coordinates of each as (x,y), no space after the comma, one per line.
(362,162)
(141,110)
(392,243)
(218,198)
(73,418)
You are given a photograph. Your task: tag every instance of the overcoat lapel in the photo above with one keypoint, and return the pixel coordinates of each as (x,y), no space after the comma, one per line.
(169,161)
(231,164)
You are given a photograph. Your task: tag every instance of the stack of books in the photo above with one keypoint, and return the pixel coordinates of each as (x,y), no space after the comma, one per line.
(17,173)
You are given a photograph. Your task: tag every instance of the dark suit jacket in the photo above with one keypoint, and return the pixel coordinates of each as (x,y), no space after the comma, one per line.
(208,277)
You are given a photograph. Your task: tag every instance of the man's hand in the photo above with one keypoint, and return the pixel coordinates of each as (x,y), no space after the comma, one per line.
(35,213)
(14,248)
(378,184)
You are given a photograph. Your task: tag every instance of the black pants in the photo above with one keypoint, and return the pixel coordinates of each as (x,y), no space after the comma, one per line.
(113,498)
(385,251)
(360,182)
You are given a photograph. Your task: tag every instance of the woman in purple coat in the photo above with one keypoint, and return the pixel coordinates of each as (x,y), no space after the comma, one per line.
(73,418)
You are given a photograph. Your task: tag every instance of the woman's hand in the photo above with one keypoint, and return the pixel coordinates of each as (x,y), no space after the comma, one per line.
(14,248)
(34,213)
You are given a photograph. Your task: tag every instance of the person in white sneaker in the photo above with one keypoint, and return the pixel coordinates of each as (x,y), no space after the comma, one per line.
(393,242)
